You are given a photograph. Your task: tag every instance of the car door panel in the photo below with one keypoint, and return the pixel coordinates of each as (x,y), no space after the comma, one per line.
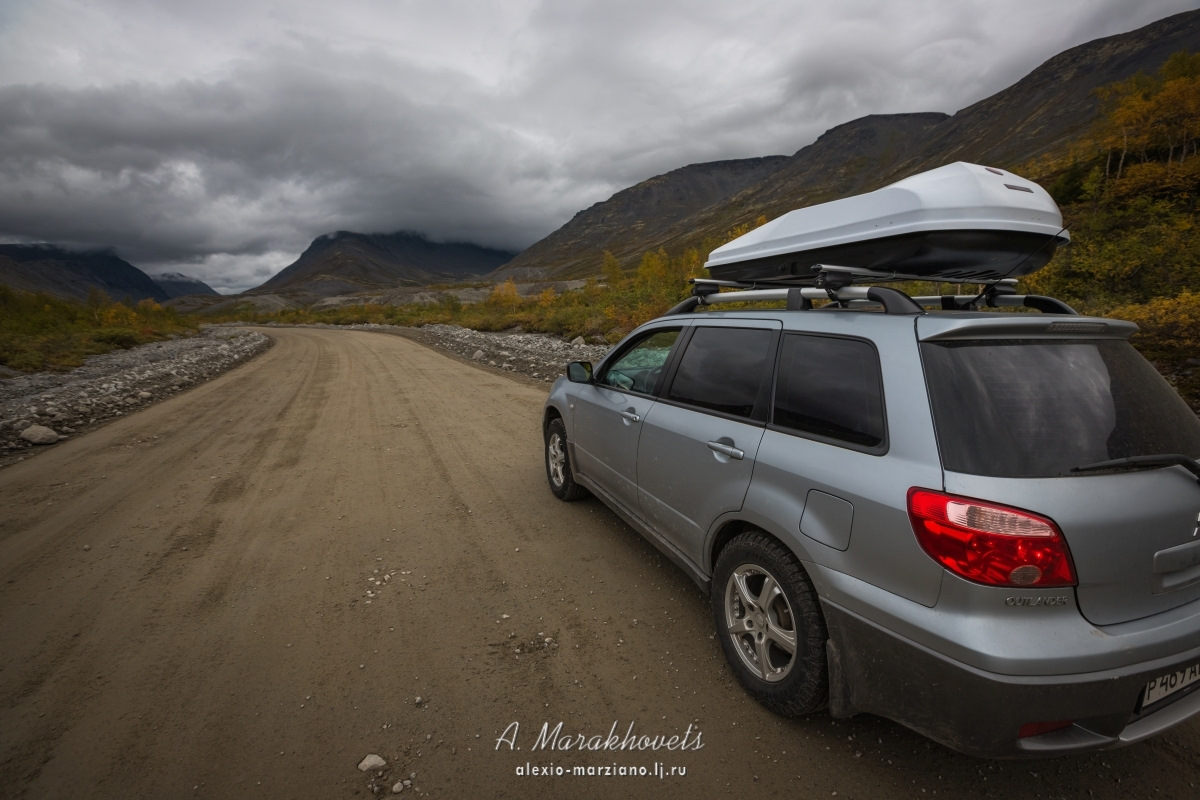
(608,425)
(684,483)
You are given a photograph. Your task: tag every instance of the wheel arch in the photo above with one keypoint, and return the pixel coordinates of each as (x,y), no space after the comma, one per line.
(549,415)
(726,530)
(724,534)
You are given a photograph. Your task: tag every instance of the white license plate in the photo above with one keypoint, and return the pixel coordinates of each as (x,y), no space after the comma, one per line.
(1169,684)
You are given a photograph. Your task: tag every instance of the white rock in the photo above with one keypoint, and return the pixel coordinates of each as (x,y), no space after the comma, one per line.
(372,761)
(398,787)
(39,434)
(578,342)
(478,355)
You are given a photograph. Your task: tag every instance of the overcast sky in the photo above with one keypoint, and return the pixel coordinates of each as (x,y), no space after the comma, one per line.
(218,138)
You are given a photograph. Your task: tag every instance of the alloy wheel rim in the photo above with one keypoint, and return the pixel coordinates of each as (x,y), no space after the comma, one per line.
(760,621)
(557,459)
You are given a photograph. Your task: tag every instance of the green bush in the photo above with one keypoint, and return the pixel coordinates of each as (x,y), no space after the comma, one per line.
(39,332)
(117,337)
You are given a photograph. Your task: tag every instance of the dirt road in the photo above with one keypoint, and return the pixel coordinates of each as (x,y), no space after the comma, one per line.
(241,592)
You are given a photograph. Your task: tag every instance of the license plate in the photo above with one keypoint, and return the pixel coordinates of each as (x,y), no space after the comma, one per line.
(1167,685)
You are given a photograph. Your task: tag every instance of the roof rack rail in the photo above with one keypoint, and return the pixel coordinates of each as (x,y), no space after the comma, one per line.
(834,284)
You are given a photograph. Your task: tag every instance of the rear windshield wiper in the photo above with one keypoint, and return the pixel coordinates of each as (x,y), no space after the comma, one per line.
(1138,462)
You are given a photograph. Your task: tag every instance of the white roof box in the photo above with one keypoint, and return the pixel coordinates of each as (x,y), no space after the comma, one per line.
(961,222)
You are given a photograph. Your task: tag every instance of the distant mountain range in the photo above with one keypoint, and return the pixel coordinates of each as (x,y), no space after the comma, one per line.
(335,264)
(1040,114)
(346,262)
(73,274)
(65,273)
(176,284)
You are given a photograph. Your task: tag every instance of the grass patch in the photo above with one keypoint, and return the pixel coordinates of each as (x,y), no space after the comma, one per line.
(39,332)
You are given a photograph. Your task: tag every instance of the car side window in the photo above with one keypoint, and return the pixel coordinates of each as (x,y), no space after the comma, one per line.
(830,388)
(637,370)
(723,369)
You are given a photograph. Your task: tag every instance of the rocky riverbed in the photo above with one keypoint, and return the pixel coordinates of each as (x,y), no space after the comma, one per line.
(47,407)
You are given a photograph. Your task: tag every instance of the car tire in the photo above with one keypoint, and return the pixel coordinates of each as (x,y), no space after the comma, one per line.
(558,463)
(763,603)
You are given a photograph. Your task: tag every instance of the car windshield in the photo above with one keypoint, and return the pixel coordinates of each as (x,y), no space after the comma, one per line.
(1030,409)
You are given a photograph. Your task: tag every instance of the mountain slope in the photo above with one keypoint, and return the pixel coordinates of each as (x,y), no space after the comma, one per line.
(72,274)
(1042,113)
(346,262)
(641,213)
(1055,103)
(176,284)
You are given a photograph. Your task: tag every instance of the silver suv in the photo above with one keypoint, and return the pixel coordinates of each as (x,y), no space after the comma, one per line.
(982,525)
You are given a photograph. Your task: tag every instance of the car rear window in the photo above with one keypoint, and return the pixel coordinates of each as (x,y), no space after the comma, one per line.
(1035,409)
(723,369)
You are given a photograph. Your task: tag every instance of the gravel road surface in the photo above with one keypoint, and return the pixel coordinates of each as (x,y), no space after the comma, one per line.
(345,548)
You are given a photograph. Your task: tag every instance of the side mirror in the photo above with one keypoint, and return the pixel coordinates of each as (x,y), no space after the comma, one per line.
(579,372)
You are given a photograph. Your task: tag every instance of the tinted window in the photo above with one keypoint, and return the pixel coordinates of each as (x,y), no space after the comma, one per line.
(830,388)
(1029,409)
(723,369)
(637,369)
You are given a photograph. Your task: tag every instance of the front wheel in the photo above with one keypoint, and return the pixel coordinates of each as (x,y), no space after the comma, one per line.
(769,622)
(558,463)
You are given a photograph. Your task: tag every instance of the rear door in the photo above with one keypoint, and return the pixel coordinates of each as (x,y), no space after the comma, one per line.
(699,442)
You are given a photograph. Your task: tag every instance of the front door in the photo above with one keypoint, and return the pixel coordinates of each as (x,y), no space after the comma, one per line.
(608,415)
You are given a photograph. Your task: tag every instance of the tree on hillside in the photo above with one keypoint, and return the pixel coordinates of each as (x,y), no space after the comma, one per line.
(1151,117)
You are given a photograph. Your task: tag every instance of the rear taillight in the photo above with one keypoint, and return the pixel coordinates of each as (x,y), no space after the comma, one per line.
(989,543)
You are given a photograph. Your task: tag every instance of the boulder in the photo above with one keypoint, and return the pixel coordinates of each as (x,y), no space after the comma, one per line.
(39,434)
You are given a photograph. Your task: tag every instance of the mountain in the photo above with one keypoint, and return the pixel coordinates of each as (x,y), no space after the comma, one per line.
(641,213)
(73,274)
(346,262)
(176,284)
(1039,115)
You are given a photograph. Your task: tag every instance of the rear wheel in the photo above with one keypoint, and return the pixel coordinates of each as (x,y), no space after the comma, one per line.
(769,621)
(558,463)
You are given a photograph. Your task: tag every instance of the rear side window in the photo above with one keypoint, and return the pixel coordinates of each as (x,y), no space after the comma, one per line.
(830,388)
(723,369)
(1035,409)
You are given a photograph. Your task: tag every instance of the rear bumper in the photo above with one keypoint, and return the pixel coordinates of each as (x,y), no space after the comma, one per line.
(980,713)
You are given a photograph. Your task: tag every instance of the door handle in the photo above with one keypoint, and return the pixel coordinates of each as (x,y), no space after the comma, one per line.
(632,417)
(726,450)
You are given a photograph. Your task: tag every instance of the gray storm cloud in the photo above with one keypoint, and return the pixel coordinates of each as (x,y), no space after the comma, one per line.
(219,139)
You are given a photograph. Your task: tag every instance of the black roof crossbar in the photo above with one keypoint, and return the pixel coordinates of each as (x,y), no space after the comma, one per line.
(685,307)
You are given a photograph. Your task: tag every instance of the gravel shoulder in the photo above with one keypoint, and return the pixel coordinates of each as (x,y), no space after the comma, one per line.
(64,404)
(346,547)
(533,355)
